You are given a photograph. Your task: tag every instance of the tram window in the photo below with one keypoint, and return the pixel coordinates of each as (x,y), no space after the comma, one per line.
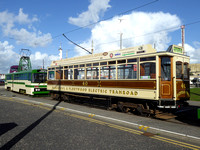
(132,60)
(186,71)
(95,64)
(147,71)
(8,77)
(111,62)
(92,73)
(103,63)
(88,65)
(59,74)
(127,71)
(108,72)
(51,75)
(166,69)
(70,74)
(66,67)
(79,73)
(39,77)
(82,65)
(29,76)
(16,76)
(66,74)
(121,61)
(58,68)
(75,66)
(23,76)
(148,58)
(70,66)
(178,70)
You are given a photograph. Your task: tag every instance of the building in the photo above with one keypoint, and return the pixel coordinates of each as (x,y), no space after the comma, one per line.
(194,70)
(2,76)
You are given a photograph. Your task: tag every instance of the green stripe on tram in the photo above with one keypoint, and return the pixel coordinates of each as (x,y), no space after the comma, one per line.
(38,86)
(17,83)
(41,92)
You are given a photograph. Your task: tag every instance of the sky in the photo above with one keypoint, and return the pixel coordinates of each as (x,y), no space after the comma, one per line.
(39,25)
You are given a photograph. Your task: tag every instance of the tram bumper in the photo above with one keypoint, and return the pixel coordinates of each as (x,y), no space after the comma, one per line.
(171,104)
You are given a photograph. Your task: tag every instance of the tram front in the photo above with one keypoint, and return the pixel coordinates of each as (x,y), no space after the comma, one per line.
(174,87)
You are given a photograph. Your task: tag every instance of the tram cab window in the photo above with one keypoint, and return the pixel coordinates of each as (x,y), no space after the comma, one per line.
(127,71)
(92,73)
(39,77)
(108,72)
(178,70)
(185,71)
(165,69)
(147,70)
(51,75)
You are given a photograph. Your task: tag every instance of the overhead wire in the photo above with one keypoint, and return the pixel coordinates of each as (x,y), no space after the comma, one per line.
(146,34)
(79,28)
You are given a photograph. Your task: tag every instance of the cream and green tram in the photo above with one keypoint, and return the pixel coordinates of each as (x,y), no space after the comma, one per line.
(32,82)
(134,78)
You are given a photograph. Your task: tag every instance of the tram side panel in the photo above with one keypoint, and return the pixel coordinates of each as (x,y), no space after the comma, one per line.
(128,89)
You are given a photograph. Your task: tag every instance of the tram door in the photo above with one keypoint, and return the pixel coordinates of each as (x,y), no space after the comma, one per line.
(166,77)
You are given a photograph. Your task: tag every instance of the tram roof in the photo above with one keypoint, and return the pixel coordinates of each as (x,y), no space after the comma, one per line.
(143,50)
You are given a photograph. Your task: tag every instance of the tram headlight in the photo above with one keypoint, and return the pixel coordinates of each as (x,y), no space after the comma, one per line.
(37,90)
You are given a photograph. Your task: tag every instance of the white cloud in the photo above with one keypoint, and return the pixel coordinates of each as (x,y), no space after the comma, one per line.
(95,9)
(38,57)
(8,57)
(23,18)
(193,52)
(10,25)
(136,28)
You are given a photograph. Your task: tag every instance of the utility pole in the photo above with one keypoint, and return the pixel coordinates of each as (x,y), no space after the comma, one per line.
(66,53)
(43,63)
(183,37)
(92,50)
(120,20)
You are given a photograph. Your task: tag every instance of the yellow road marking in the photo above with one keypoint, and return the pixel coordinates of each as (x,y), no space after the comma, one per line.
(177,142)
(140,127)
(62,108)
(145,128)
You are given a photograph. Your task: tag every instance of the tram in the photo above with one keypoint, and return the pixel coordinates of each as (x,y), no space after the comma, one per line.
(137,78)
(32,82)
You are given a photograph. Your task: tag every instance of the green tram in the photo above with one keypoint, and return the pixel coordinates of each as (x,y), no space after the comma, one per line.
(32,82)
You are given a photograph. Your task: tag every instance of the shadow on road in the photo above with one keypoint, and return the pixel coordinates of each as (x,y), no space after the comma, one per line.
(5,127)
(18,137)
(189,115)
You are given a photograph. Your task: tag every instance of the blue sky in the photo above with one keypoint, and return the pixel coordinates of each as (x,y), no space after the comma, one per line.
(38,26)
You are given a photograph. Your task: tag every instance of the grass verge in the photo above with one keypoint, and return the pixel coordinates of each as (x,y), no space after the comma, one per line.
(195,94)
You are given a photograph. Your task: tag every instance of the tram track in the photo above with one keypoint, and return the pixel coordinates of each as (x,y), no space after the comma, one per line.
(164,115)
